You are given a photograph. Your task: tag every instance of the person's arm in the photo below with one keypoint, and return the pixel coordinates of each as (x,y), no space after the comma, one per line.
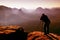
(41,18)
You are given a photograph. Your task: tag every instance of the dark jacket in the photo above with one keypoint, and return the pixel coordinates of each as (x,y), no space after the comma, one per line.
(45,19)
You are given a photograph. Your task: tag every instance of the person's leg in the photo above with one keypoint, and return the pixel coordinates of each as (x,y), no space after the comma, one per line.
(45,29)
(48,28)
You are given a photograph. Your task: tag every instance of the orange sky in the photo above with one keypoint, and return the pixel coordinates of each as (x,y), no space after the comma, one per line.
(30,4)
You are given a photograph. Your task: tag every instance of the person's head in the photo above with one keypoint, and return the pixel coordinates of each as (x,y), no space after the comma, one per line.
(43,14)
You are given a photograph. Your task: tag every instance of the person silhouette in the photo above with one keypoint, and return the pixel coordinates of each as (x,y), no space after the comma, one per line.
(46,21)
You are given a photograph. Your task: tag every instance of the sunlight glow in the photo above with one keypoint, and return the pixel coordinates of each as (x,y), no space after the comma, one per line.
(33,4)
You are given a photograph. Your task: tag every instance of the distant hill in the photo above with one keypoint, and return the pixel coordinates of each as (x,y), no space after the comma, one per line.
(11,16)
(7,14)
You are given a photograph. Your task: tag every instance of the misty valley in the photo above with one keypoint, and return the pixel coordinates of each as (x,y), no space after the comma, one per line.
(28,20)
